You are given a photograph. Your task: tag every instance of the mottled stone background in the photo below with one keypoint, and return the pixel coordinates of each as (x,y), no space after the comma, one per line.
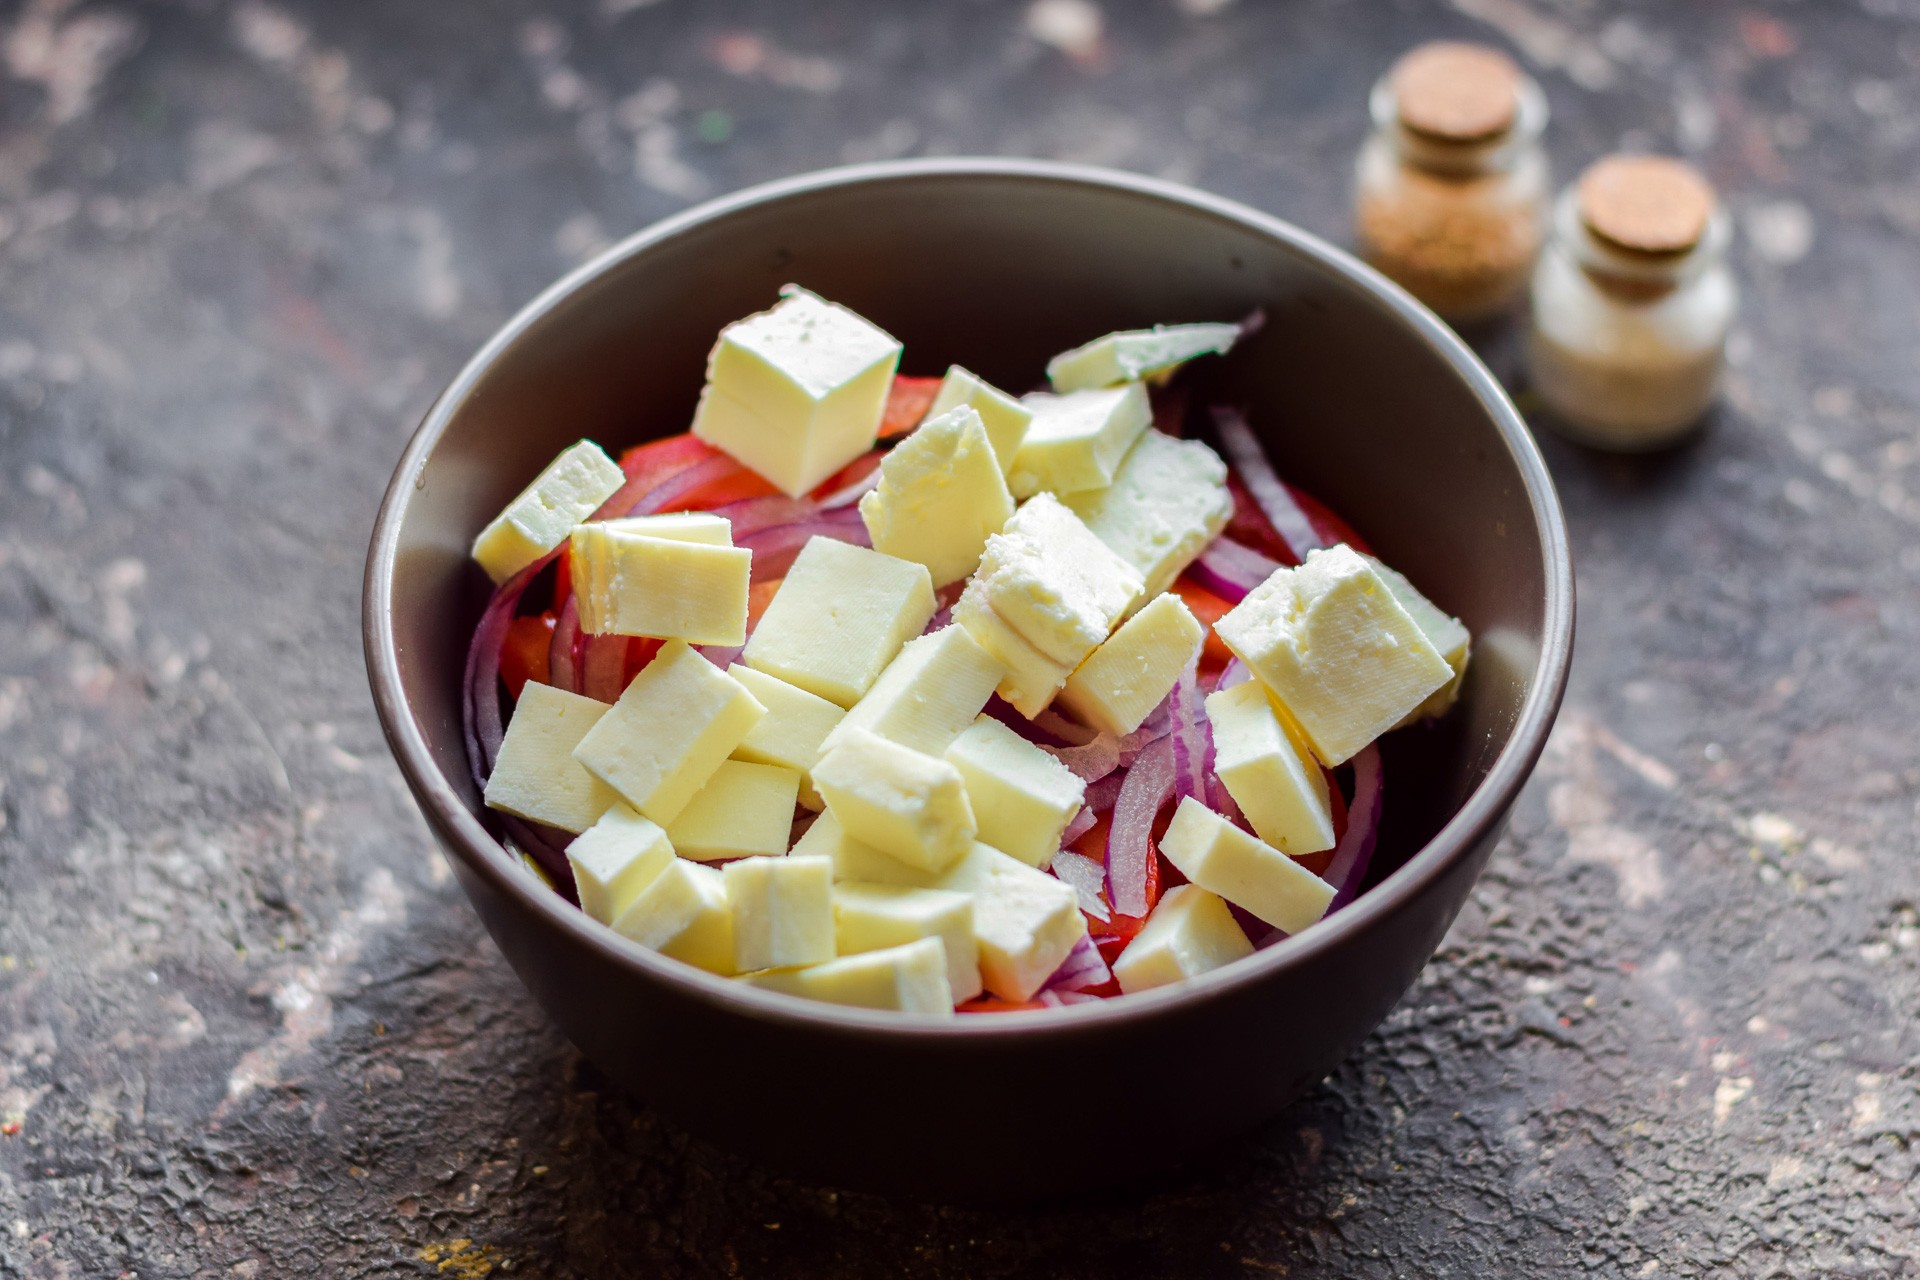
(249,1028)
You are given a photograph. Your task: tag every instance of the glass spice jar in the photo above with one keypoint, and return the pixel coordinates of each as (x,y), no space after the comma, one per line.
(1632,302)
(1452,187)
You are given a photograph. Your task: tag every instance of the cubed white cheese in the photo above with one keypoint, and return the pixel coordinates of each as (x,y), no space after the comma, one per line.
(629,583)
(855,861)
(939,496)
(679,526)
(902,802)
(1022,797)
(684,913)
(839,617)
(1248,872)
(911,978)
(872,917)
(615,859)
(1005,418)
(1133,354)
(1032,678)
(782,911)
(1076,441)
(928,694)
(1129,675)
(1024,920)
(793,732)
(1166,503)
(742,810)
(1343,657)
(1189,932)
(571,488)
(797,392)
(1443,631)
(535,775)
(678,719)
(1055,584)
(1269,771)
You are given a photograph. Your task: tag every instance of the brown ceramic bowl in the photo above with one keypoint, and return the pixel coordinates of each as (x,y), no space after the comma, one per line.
(1362,397)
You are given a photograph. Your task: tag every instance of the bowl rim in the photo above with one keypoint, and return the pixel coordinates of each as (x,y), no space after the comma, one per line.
(1482,811)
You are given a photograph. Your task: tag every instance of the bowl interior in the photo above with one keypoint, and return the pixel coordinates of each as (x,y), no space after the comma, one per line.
(1359,398)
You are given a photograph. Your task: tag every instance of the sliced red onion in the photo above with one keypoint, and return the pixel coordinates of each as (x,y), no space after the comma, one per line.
(1231,569)
(721,655)
(1085,875)
(1084,967)
(648,493)
(1235,672)
(1102,795)
(563,659)
(1061,999)
(480,698)
(1275,500)
(1082,823)
(1354,853)
(1051,721)
(1090,761)
(603,667)
(1148,787)
(1192,739)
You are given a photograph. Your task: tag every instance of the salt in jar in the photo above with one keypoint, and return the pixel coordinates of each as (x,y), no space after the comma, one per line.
(1632,302)
(1452,186)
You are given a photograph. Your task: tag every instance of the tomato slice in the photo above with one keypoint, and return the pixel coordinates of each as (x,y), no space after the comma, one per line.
(907,403)
(1209,608)
(664,457)
(523,653)
(759,596)
(640,651)
(737,487)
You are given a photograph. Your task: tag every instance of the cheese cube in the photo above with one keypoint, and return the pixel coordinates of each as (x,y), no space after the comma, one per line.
(1128,676)
(615,859)
(629,583)
(1189,932)
(797,392)
(679,526)
(1022,797)
(1341,655)
(684,913)
(940,494)
(571,488)
(906,979)
(669,731)
(871,917)
(1005,418)
(782,911)
(1055,584)
(793,732)
(1076,441)
(742,810)
(1269,771)
(928,694)
(1251,874)
(1032,678)
(900,801)
(853,860)
(1133,354)
(839,616)
(1443,631)
(1166,503)
(1024,920)
(536,776)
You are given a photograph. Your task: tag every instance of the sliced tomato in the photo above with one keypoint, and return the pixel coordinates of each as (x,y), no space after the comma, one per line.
(1249,525)
(1319,862)
(759,596)
(640,651)
(1331,528)
(523,653)
(1209,608)
(859,469)
(736,487)
(907,403)
(665,457)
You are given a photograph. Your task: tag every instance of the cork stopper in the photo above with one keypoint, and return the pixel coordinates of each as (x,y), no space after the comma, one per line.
(1456,92)
(1645,204)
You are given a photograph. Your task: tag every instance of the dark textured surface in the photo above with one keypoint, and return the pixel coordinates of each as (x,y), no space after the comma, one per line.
(247,1025)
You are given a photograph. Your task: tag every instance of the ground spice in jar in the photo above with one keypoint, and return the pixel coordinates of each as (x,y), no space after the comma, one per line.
(1632,302)
(1451,187)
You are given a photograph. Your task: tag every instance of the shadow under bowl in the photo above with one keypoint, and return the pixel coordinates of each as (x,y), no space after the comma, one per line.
(1361,397)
